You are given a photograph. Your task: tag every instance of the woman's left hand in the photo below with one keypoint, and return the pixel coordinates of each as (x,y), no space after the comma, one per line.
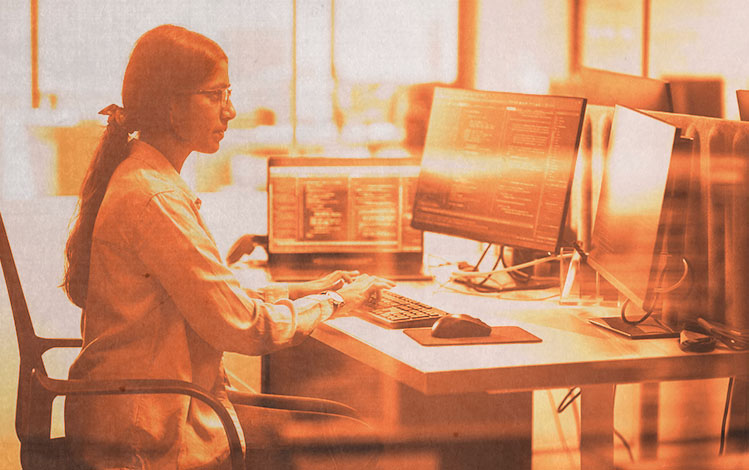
(332,281)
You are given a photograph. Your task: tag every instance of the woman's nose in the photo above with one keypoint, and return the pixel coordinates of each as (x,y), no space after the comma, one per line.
(228,111)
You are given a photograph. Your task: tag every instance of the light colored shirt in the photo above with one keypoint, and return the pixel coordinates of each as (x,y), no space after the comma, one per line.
(162,304)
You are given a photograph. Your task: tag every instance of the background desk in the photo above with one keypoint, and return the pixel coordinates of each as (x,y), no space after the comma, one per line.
(573,353)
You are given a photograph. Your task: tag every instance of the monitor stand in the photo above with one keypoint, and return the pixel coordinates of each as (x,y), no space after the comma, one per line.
(651,328)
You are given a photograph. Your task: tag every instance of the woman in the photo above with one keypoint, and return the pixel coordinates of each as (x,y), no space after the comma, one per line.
(157,300)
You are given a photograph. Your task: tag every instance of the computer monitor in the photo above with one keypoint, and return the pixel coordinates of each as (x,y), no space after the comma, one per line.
(327,213)
(742,96)
(607,88)
(628,242)
(698,96)
(497,167)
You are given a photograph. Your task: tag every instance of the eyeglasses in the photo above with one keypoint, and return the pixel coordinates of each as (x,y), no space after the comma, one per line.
(219,95)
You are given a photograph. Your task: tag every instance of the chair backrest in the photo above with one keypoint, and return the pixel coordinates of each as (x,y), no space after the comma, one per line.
(33,405)
(30,346)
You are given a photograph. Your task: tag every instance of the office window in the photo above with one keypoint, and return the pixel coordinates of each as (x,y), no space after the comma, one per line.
(378,45)
(380,48)
(84,48)
(613,35)
(310,69)
(396,41)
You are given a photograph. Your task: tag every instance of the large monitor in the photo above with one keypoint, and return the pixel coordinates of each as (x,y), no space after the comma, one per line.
(607,88)
(628,243)
(497,167)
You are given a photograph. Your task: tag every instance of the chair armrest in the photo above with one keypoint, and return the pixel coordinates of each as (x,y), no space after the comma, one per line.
(148,386)
(49,343)
(293,403)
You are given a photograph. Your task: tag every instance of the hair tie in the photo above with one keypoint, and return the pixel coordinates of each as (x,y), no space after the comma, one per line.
(116,115)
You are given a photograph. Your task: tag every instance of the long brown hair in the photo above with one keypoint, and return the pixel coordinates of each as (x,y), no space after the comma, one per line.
(165,60)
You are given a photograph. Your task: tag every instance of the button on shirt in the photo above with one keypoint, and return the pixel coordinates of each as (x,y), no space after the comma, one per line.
(162,304)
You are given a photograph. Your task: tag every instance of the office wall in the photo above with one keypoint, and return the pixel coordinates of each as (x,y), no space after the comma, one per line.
(522,45)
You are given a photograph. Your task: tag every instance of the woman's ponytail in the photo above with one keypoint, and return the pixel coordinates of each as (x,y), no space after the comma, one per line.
(112,150)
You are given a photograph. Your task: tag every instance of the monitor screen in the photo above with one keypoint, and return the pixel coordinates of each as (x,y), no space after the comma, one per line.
(629,228)
(341,205)
(607,88)
(497,167)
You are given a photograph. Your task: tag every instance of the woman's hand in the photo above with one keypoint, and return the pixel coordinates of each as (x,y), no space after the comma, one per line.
(332,281)
(360,290)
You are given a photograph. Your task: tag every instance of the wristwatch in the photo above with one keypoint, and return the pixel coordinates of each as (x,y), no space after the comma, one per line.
(336,299)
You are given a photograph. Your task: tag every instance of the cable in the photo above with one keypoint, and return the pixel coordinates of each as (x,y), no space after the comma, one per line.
(517,276)
(560,431)
(723,427)
(481,258)
(464,277)
(626,444)
(463,274)
(500,257)
(678,283)
(623,310)
(572,395)
(495,295)
(658,291)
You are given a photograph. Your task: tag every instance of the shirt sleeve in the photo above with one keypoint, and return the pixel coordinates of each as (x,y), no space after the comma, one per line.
(176,248)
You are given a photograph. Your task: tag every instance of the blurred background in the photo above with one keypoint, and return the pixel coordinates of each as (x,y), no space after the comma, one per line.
(334,77)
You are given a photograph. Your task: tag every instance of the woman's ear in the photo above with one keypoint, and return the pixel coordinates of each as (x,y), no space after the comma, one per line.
(176,117)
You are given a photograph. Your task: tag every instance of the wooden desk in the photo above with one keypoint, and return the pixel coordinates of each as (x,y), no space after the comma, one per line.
(573,353)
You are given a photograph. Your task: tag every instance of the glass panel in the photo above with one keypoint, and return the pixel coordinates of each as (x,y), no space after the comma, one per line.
(613,35)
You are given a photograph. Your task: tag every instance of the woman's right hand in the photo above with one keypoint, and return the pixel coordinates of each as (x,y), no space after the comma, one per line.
(360,290)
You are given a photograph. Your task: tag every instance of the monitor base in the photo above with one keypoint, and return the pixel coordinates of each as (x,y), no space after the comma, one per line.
(649,329)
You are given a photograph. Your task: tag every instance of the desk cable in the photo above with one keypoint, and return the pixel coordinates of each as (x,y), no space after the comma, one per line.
(658,291)
(467,277)
(569,399)
(724,424)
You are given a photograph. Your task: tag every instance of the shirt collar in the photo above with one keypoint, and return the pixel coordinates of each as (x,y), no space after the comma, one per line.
(152,157)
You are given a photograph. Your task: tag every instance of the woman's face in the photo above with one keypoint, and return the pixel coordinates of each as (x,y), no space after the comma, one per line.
(199,119)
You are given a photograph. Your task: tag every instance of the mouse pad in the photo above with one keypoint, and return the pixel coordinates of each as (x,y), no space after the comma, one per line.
(499,335)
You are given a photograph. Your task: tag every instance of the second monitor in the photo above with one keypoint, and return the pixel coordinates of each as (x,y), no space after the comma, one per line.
(497,167)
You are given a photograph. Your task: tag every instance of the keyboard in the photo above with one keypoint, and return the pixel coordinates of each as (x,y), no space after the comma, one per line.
(398,311)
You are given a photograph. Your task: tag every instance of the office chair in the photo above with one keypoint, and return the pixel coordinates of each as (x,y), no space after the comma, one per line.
(36,392)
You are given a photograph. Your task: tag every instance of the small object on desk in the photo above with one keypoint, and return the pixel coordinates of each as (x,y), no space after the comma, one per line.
(498,335)
(692,341)
(460,326)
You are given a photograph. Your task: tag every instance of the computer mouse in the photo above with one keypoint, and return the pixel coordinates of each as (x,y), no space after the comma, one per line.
(459,325)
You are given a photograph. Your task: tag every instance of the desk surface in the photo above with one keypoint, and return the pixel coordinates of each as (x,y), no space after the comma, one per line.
(572,351)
